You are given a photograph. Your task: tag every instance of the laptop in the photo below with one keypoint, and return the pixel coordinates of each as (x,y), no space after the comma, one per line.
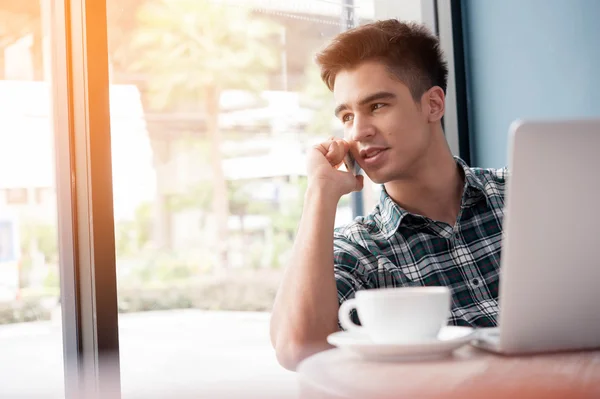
(550,269)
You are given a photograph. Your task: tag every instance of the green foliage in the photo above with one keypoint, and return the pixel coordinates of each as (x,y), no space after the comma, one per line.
(195,197)
(282,245)
(52,280)
(187,46)
(23,311)
(36,236)
(45,236)
(191,50)
(236,290)
(240,291)
(153,268)
(143,224)
(239,197)
(285,223)
(286,220)
(132,236)
(317,96)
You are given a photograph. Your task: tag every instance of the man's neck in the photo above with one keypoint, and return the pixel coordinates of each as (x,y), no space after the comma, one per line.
(434,191)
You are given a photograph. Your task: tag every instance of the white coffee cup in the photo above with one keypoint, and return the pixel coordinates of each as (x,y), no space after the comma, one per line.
(398,315)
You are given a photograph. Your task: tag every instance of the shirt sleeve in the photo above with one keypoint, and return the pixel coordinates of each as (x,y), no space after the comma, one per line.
(352,264)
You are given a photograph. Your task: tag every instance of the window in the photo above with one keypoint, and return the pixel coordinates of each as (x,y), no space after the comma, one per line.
(30,311)
(214,105)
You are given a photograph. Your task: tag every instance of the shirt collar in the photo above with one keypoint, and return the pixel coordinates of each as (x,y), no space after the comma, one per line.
(392,214)
(471,179)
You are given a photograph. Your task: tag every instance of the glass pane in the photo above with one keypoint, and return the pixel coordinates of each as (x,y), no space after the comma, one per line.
(30,320)
(213,107)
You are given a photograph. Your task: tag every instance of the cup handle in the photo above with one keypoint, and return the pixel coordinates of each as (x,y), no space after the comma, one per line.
(344,315)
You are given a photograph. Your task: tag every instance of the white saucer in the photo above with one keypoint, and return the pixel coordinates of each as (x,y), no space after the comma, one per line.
(449,339)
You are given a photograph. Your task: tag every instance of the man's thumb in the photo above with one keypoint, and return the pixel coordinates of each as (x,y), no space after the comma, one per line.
(360,182)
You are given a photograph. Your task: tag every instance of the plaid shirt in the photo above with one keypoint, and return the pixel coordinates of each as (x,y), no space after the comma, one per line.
(391,247)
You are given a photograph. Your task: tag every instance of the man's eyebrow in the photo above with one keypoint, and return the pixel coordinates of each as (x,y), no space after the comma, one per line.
(380,95)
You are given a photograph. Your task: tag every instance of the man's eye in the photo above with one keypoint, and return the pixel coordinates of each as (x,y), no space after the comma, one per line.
(347,118)
(377,106)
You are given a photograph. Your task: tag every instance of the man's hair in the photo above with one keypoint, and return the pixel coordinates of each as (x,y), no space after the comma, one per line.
(409,50)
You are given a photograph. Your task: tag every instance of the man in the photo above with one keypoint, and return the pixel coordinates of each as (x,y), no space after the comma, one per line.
(438,222)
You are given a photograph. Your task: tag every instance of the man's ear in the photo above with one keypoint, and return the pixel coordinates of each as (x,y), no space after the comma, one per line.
(436,103)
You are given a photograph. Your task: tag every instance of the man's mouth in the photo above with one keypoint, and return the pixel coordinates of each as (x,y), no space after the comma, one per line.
(372,152)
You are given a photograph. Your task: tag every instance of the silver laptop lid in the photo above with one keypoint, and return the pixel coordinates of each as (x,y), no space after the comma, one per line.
(550,279)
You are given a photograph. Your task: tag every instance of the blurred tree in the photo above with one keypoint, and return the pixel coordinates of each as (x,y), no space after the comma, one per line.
(191,50)
(317,96)
(133,236)
(239,200)
(121,22)
(285,220)
(39,247)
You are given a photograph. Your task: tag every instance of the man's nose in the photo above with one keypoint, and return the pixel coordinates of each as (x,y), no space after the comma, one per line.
(362,129)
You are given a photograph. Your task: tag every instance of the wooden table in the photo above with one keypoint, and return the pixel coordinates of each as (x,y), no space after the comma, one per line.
(469,373)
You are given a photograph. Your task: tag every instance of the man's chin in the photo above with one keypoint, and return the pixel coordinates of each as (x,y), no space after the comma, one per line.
(381,177)
(378,178)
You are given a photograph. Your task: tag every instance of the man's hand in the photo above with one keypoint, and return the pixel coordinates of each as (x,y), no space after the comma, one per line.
(324,161)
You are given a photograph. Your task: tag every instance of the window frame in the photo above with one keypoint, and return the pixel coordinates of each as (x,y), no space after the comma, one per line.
(449,28)
(80,90)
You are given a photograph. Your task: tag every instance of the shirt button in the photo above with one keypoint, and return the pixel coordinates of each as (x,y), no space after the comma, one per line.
(475,282)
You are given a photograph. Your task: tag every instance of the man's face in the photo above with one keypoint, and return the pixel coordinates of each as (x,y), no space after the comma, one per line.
(388,132)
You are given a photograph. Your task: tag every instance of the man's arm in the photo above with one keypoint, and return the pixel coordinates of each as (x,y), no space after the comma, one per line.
(306,305)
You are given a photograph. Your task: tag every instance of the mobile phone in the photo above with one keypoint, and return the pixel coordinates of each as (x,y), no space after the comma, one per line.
(351,164)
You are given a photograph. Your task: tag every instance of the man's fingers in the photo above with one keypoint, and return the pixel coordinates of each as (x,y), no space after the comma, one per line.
(334,150)
(336,153)
(346,146)
(323,148)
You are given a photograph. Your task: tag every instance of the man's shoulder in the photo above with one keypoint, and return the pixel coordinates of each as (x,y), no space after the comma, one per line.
(359,227)
(363,230)
(493,180)
(498,175)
